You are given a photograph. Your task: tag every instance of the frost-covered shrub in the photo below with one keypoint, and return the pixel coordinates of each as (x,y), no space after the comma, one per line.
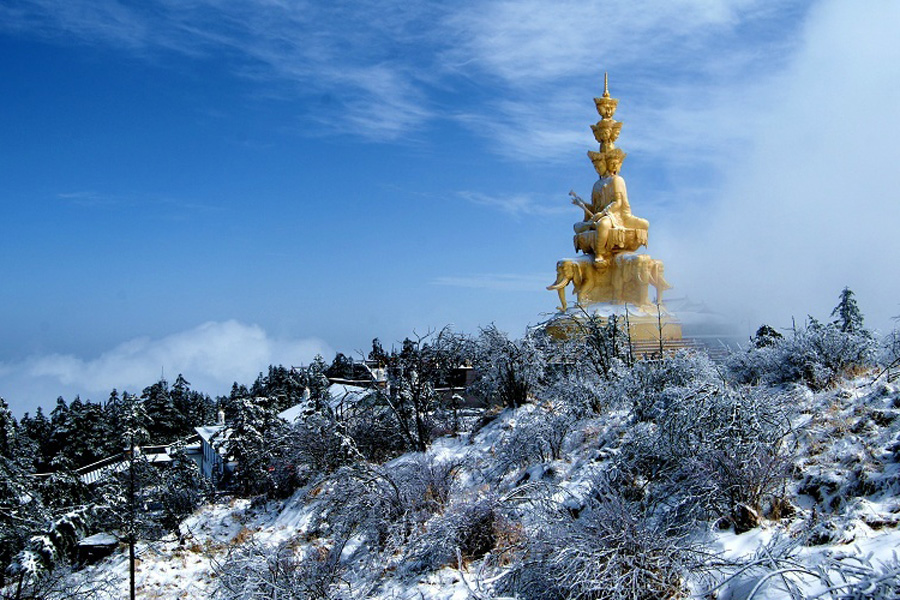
(52,546)
(719,451)
(816,355)
(469,526)
(650,386)
(317,445)
(385,504)
(181,489)
(372,427)
(602,344)
(253,571)
(63,583)
(889,349)
(611,551)
(537,435)
(580,394)
(509,370)
(863,580)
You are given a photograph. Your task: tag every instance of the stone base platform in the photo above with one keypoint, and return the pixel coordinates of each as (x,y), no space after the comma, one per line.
(643,327)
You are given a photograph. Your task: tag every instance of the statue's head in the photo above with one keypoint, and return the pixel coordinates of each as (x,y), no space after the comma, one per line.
(598,159)
(606,106)
(614,159)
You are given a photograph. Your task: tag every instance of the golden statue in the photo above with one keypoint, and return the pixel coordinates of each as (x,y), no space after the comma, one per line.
(609,234)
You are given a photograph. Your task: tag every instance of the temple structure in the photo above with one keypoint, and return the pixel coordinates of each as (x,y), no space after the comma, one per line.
(609,276)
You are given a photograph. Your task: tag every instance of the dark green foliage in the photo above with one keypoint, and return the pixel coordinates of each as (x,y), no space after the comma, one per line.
(194,408)
(166,422)
(252,441)
(38,429)
(377,353)
(341,367)
(765,337)
(847,315)
(180,489)
(63,489)
(315,380)
(21,510)
(281,387)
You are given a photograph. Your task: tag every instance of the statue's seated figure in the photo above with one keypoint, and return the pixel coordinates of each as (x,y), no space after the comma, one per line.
(608,224)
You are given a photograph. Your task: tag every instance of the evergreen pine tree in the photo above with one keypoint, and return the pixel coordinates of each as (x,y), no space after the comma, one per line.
(248,441)
(766,336)
(165,419)
(377,353)
(847,314)
(38,429)
(317,382)
(21,510)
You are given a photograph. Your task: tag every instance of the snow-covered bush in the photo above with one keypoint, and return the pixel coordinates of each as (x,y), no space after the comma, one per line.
(468,526)
(817,355)
(716,450)
(385,505)
(581,393)
(651,386)
(254,571)
(889,350)
(610,551)
(316,446)
(509,370)
(181,489)
(602,345)
(52,546)
(372,426)
(537,435)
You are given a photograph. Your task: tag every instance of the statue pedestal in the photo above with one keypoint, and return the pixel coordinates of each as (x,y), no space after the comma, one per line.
(644,328)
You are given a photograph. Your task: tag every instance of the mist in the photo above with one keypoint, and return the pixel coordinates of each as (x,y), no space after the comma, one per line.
(810,203)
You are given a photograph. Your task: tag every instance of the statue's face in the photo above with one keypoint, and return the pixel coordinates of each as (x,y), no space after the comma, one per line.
(600,167)
(613,165)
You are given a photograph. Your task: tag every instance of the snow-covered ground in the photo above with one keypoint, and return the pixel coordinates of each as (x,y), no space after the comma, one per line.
(841,517)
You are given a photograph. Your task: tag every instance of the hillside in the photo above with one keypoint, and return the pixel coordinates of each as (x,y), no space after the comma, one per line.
(729,492)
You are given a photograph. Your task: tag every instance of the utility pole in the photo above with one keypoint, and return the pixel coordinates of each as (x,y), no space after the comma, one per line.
(659,325)
(131,511)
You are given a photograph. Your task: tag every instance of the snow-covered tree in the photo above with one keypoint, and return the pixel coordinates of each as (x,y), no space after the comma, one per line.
(249,442)
(21,510)
(509,370)
(847,315)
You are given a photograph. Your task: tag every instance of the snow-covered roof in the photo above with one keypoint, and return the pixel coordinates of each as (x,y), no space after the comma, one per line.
(346,394)
(99,539)
(89,477)
(208,431)
(290,414)
(339,393)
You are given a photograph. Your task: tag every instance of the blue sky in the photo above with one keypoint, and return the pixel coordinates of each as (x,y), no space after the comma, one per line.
(206,186)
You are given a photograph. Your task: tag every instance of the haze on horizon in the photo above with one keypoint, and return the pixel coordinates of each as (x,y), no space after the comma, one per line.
(208,189)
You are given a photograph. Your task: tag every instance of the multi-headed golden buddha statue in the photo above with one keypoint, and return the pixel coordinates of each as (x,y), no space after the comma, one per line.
(609,271)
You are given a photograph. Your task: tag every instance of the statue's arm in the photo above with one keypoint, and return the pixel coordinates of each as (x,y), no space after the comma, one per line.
(577,201)
(620,193)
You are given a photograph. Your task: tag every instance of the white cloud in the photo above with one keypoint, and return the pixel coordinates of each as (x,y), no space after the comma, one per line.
(386,69)
(211,356)
(673,64)
(519,205)
(508,282)
(352,54)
